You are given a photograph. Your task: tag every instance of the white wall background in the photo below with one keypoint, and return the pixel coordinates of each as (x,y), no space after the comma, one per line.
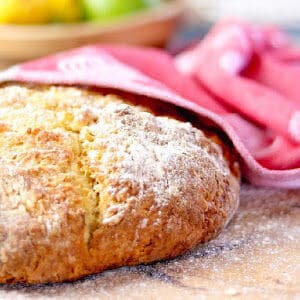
(279,11)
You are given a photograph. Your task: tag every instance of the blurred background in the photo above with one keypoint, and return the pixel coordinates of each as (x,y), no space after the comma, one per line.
(276,11)
(34,28)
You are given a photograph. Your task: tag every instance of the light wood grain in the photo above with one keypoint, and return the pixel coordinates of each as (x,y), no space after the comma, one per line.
(151,27)
(256,257)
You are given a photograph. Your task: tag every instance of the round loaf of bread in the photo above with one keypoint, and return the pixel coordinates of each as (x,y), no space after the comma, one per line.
(91,181)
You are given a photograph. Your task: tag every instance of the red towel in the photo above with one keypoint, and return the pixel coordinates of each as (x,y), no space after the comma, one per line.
(241,77)
(253,72)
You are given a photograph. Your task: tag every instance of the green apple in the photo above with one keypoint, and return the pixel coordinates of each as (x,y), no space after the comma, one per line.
(103,10)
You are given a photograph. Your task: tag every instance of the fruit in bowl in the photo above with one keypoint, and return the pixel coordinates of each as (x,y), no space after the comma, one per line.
(65,10)
(46,11)
(103,10)
(39,11)
(24,12)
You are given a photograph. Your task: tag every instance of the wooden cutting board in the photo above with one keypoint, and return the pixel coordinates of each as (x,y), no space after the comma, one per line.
(256,257)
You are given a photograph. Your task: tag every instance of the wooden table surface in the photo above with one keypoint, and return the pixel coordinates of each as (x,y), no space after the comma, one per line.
(256,257)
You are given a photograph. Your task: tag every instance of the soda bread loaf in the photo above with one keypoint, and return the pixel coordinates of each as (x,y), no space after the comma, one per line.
(91,181)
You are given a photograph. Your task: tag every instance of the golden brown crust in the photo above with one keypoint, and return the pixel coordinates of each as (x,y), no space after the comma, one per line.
(90,182)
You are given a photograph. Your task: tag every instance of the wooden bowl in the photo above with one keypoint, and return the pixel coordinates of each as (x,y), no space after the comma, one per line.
(151,27)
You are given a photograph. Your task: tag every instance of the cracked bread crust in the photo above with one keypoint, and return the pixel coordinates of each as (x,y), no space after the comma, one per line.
(90,182)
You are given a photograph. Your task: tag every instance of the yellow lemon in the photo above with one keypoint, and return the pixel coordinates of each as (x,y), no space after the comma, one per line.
(24,11)
(65,10)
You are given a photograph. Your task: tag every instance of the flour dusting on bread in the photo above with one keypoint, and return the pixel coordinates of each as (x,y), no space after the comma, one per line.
(150,155)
